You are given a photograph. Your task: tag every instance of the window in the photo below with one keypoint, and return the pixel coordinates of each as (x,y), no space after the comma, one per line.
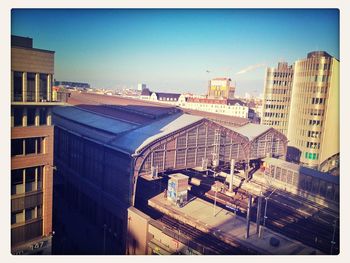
(17,217)
(30,179)
(43,114)
(30,145)
(30,213)
(30,86)
(30,117)
(17,182)
(40,178)
(18,114)
(17,86)
(43,87)
(17,147)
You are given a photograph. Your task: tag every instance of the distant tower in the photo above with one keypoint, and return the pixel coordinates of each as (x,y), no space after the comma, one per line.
(141,86)
(220,88)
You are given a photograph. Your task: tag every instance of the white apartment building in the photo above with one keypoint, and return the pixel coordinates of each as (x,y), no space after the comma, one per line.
(234,107)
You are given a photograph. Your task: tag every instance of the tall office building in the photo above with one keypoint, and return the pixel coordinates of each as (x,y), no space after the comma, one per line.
(313,128)
(221,88)
(31,147)
(277,93)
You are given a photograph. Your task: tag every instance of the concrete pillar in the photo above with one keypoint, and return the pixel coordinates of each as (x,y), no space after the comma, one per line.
(12,86)
(49,116)
(37,117)
(37,83)
(25,117)
(24,86)
(49,93)
(36,177)
(24,178)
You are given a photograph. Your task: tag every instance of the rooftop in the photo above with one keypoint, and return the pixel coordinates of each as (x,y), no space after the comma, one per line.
(282,163)
(217,101)
(178,176)
(252,130)
(303,170)
(135,140)
(25,43)
(130,125)
(167,95)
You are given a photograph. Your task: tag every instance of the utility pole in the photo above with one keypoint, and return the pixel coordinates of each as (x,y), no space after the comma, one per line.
(258,215)
(265,217)
(216,192)
(248,215)
(246,170)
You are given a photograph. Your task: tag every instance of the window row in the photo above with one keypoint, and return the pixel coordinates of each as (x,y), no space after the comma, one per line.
(275,115)
(27,146)
(274,106)
(311,156)
(29,116)
(26,215)
(19,79)
(26,180)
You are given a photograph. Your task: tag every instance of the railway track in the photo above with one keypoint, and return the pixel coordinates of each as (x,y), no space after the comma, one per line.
(211,244)
(280,218)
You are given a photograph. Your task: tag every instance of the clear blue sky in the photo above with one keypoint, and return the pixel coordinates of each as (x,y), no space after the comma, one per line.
(171,49)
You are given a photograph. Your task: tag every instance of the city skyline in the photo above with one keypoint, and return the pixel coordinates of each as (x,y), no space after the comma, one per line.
(130,46)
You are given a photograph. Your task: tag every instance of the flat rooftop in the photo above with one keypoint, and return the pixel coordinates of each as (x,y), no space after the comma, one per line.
(227,226)
(141,111)
(282,163)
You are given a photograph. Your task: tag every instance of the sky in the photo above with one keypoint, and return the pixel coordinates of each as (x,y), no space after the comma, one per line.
(171,50)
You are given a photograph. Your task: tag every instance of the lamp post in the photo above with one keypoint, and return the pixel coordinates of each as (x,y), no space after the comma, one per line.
(265,212)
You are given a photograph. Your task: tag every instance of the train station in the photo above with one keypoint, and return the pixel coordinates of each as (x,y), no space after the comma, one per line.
(114,154)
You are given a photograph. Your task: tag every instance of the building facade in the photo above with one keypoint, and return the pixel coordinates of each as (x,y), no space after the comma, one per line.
(171,98)
(104,164)
(221,88)
(31,147)
(234,107)
(141,86)
(314,110)
(277,94)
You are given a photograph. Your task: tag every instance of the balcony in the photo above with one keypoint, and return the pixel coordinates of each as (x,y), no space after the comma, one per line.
(43,98)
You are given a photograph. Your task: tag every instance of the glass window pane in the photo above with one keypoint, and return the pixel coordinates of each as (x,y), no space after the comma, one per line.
(30,179)
(17,181)
(30,117)
(30,86)
(16,147)
(17,217)
(30,213)
(30,145)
